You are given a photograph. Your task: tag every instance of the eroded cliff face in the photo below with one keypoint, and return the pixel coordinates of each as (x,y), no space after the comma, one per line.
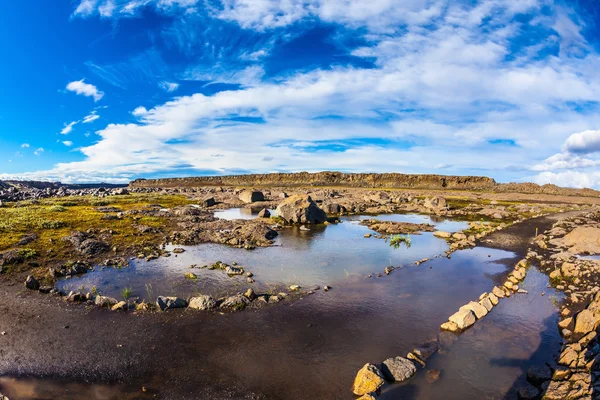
(391,180)
(387,180)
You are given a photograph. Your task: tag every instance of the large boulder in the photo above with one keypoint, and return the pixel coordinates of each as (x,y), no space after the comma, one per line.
(583,240)
(301,209)
(166,303)
(436,203)
(250,196)
(585,322)
(398,369)
(368,380)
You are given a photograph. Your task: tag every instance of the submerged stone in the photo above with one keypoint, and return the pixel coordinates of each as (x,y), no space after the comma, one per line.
(398,369)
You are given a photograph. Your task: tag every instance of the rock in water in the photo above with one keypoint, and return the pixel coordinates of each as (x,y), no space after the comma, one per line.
(301,209)
(167,303)
(398,369)
(31,283)
(202,302)
(250,196)
(536,375)
(368,380)
(463,318)
(237,302)
(527,393)
(264,213)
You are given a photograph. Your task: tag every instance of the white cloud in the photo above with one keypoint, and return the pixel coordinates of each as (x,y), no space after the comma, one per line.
(139,111)
(583,142)
(68,128)
(39,151)
(446,84)
(577,179)
(68,143)
(25,145)
(90,117)
(168,86)
(85,89)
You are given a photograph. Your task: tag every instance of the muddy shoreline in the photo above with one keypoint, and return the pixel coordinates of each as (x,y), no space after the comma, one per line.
(163,352)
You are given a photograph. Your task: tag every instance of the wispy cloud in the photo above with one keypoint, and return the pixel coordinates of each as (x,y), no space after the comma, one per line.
(67,143)
(39,151)
(85,89)
(25,146)
(91,117)
(168,86)
(68,128)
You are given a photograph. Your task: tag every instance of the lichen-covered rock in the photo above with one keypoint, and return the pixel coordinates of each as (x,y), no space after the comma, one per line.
(368,380)
(105,301)
(398,369)
(202,302)
(236,302)
(301,209)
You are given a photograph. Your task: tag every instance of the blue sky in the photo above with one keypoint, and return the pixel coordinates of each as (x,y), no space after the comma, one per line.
(112,90)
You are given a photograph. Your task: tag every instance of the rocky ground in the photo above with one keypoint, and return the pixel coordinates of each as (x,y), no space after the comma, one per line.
(139,221)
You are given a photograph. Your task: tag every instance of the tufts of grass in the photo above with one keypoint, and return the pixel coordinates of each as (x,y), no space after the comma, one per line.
(398,240)
(126,293)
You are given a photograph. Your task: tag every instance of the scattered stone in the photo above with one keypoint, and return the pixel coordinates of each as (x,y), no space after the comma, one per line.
(202,302)
(178,250)
(479,310)
(368,380)
(120,306)
(208,202)
(251,196)
(536,375)
(31,283)
(528,392)
(250,295)
(294,288)
(398,369)
(191,275)
(442,234)
(167,303)
(236,302)
(264,213)
(463,319)
(432,375)
(105,301)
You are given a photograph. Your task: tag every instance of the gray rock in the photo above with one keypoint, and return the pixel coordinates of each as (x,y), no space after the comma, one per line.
(105,301)
(398,369)
(536,375)
(166,303)
(237,302)
(528,393)
(209,202)
(202,302)
(301,209)
(264,213)
(251,196)
(31,283)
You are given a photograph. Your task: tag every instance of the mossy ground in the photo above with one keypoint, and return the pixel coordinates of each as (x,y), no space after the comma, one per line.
(52,219)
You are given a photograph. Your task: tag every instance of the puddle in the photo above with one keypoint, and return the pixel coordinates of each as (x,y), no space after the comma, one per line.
(240,213)
(592,258)
(325,255)
(323,340)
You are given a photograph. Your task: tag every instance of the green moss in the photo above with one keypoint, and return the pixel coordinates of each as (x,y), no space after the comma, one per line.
(53,219)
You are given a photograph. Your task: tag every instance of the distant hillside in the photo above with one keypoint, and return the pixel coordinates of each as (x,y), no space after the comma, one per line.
(55,185)
(388,180)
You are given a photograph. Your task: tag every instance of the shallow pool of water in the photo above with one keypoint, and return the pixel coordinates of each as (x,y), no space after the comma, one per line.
(325,255)
(240,213)
(313,348)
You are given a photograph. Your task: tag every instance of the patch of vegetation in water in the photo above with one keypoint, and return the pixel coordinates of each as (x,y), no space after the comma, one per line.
(398,240)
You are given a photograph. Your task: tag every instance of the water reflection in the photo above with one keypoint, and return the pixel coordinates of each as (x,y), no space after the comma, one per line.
(323,255)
